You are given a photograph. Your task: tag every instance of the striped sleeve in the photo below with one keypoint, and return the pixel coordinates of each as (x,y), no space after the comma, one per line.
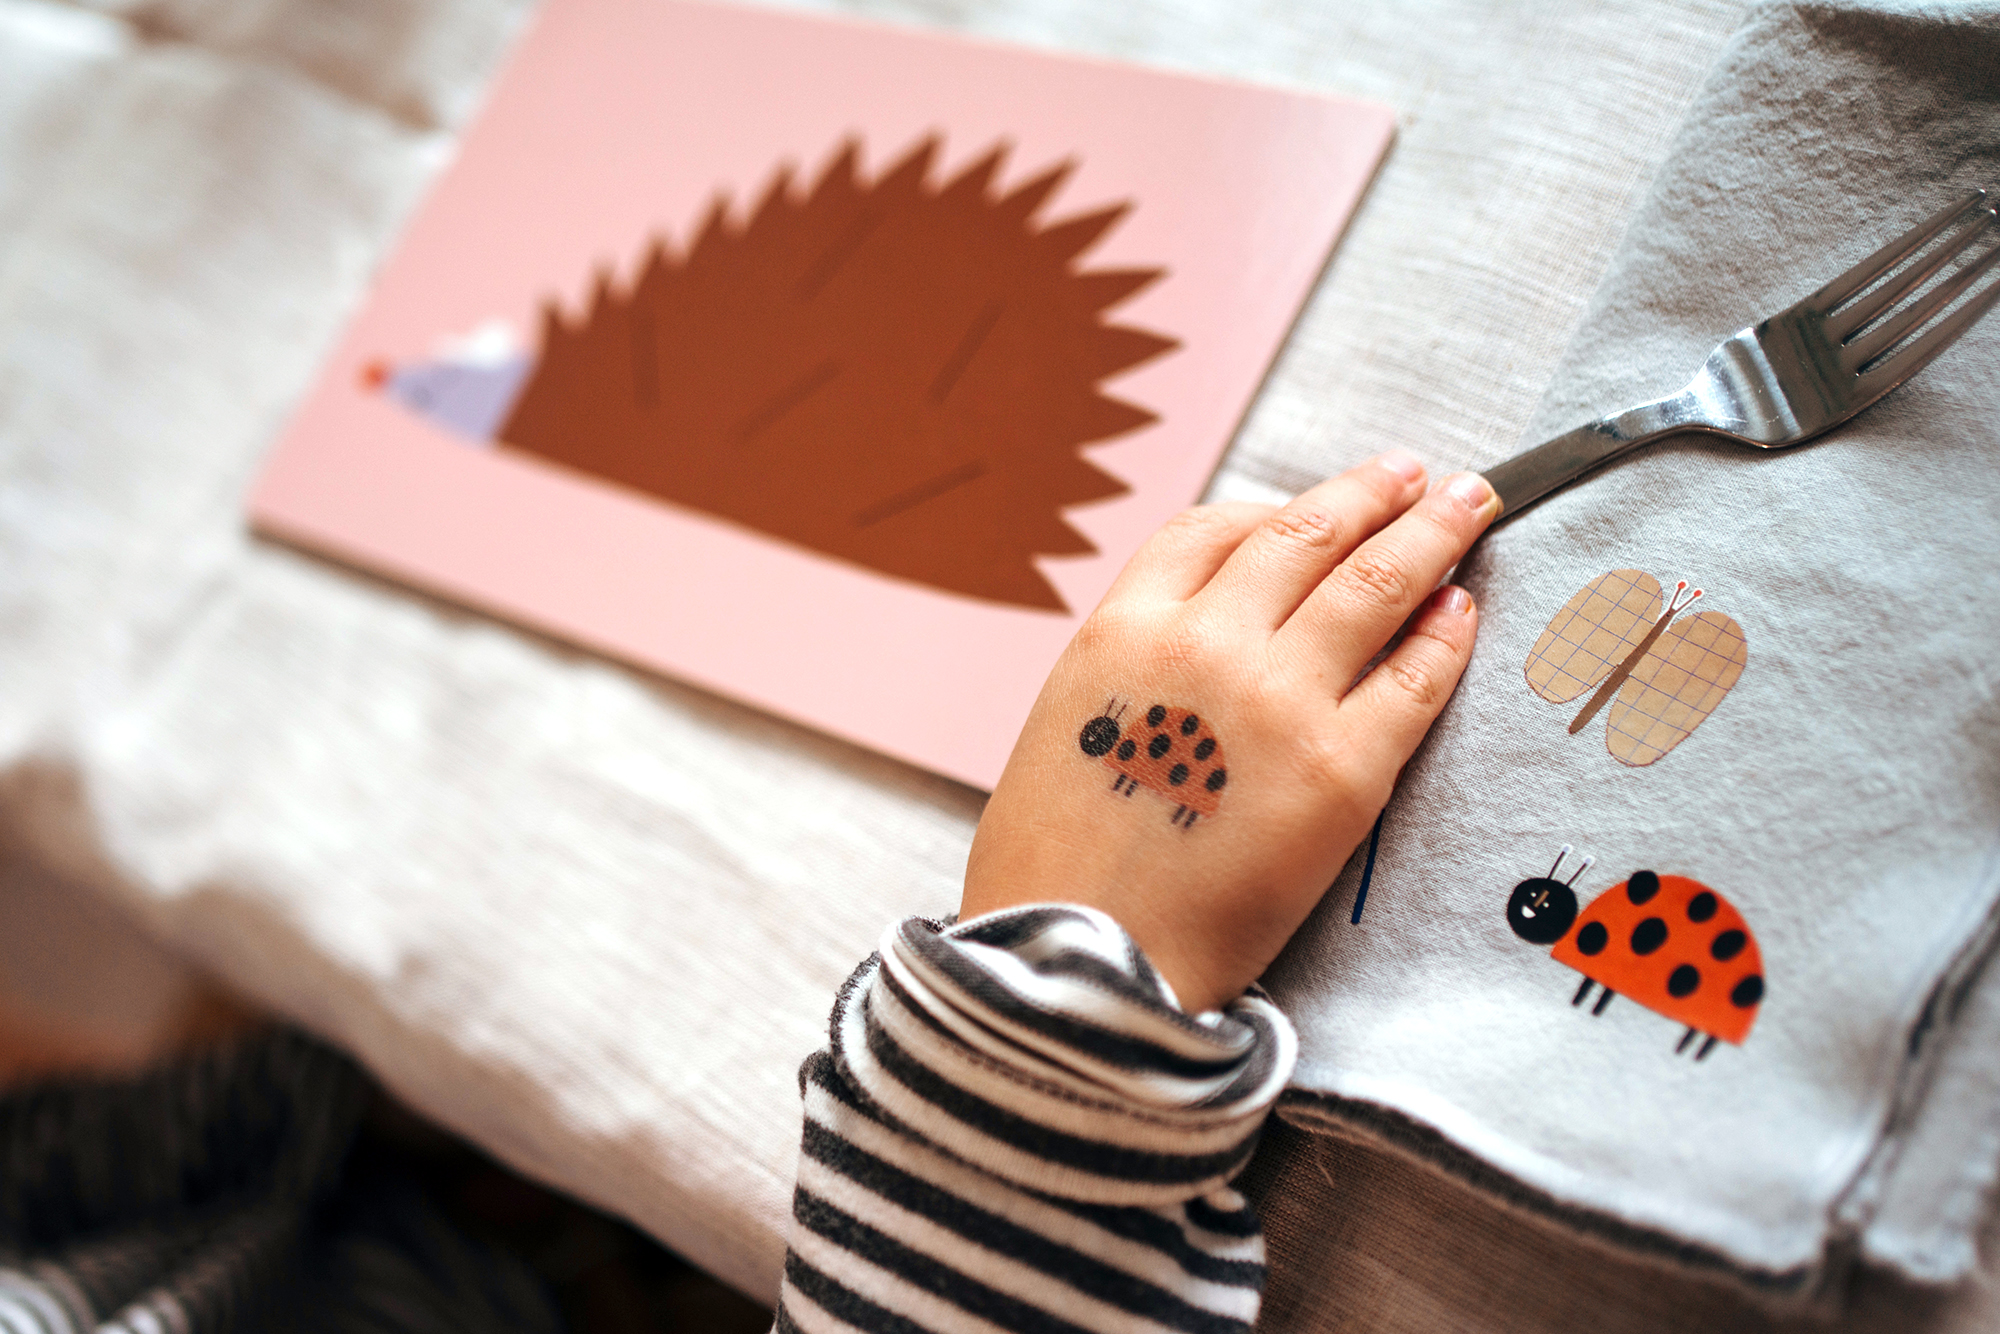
(1015,1127)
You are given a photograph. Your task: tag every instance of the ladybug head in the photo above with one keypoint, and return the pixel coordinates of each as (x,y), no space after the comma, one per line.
(1542,910)
(1100,734)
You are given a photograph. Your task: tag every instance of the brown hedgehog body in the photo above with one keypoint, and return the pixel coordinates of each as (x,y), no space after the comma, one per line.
(894,373)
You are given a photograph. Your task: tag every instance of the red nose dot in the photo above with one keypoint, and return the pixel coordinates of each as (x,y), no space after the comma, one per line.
(374,375)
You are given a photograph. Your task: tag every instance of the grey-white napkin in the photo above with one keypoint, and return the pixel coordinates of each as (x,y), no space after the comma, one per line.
(1844,796)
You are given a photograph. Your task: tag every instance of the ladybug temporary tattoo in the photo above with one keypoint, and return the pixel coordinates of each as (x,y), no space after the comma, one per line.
(1667,676)
(1168,750)
(1670,943)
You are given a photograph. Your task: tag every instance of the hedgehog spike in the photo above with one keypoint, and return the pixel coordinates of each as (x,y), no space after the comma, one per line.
(1102,289)
(655,265)
(714,227)
(843,168)
(1120,347)
(776,195)
(1064,241)
(977,177)
(908,174)
(1020,205)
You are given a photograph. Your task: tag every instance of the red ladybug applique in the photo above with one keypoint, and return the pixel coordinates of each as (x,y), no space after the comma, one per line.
(1170,751)
(1670,943)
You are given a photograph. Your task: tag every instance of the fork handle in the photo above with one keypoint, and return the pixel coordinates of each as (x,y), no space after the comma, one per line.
(1527,477)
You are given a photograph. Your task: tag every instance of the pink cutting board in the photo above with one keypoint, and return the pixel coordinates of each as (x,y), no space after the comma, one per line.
(620,121)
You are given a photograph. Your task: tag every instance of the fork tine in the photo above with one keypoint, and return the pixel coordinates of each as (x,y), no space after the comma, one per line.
(1879,263)
(1909,360)
(1893,330)
(1842,325)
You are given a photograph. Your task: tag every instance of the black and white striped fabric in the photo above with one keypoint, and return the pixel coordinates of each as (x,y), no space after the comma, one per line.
(214,1195)
(1017,1128)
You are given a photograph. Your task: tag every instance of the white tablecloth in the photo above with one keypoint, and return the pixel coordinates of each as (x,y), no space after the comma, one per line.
(588,918)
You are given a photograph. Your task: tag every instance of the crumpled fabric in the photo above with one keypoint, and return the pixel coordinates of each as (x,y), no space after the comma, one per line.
(1844,796)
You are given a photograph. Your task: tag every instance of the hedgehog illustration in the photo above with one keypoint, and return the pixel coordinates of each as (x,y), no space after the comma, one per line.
(894,372)
(1670,943)
(1173,754)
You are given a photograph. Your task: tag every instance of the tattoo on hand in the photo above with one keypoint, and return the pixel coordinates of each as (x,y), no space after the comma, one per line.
(1169,751)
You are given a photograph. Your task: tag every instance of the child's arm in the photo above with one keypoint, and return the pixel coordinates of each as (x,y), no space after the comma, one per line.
(1018,1124)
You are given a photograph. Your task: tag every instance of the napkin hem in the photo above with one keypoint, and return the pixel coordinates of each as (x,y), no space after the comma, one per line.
(1376,1125)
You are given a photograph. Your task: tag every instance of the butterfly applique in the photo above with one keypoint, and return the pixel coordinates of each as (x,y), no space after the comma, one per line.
(1667,671)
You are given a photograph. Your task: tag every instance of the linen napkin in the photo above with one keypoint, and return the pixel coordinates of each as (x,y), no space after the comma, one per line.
(1818,857)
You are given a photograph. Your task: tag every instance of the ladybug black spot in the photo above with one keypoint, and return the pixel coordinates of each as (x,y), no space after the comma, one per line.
(1099,735)
(1541,910)
(1217,779)
(1204,748)
(1188,724)
(1701,907)
(1728,945)
(1156,715)
(1641,887)
(1127,748)
(1593,938)
(1177,775)
(1159,745)
(1648,936)
(1747,992)
(1683,980)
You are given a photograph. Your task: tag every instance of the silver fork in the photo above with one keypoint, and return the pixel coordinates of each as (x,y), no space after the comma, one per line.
(1802,371)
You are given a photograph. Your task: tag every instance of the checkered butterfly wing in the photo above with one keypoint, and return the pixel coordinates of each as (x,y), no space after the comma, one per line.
(1675,687)
(1596,630)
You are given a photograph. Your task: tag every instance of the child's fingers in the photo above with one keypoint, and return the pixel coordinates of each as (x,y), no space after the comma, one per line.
(1284,559)
(1369,596)
(1186,552)
(1396,703)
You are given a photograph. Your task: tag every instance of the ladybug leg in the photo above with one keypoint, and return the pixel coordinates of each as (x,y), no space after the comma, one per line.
(1118,782)
(1603,1001)
(1706,1048)
(1175,818)
(1189,823)
(1131,786)
(1582,991)
(1686,1038)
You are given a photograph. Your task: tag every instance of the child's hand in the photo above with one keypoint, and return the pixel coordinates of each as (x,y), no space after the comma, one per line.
(1256,621)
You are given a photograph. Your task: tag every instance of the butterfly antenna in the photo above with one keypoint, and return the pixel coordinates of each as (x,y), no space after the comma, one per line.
(1583,866)
(1558,862)
(1676,606)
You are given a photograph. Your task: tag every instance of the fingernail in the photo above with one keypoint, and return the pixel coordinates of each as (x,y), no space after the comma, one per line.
(1403,465)
(1454,599)
(1472,491)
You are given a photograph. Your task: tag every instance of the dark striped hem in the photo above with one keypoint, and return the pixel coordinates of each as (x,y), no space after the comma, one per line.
(1091,1039)
(1128,1222)
(1088,1275)
(1096,1157)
